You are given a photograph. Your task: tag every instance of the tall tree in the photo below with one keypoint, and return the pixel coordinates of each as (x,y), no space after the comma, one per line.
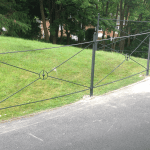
(54,14)
(121,44)
(43,20)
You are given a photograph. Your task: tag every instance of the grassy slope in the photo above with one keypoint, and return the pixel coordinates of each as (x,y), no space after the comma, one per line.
(77,70)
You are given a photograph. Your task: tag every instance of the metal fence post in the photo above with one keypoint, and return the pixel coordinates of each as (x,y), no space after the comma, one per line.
(147,73)
(95,36)
(97,28)
(93,64)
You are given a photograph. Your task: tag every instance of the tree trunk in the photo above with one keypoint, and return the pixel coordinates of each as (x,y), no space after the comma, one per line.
(83,29)
(114,44)
(125,28)
(103,42)
(43,20)
(49,3)
(79,37)
(129,28)
(139,19)
(68,38)
(55,35)
(107,8)
(54,39)
(56,16)
(54,11)
(61,34)
(121,44)
(96,6)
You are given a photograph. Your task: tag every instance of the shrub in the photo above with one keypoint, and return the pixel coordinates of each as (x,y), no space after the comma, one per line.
(89,34)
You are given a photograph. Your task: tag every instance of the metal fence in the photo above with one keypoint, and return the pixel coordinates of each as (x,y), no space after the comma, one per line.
(43,75)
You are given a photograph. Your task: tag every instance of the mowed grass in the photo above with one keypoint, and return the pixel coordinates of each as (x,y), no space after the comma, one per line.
(77,70)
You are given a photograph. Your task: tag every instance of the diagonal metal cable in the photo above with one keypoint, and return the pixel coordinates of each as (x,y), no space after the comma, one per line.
(51,47)
(124,20)
(63,46)
(114,42)
(48,48)
(70,58)
(68,81)
(19,90)
(120,79)
(139,45)
(124,50)
(45,99)
(18,67)
(123,37)
(127,33)
(138,63)
(114,50)
(141,40)
(71,44)
(110,73)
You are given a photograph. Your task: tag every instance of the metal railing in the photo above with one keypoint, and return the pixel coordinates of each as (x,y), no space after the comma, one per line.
(43,75)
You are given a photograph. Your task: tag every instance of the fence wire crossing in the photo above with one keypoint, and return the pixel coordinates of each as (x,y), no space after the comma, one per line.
(114,42)
(126,32)
(43,75)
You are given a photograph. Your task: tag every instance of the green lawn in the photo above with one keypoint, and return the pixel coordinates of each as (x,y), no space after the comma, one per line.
(77,70)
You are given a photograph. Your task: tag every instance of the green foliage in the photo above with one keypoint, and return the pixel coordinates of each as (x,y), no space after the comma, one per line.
(142,51)
(9,14)
(75,14)
(89,34)
(15,17)
(34,32)
(136,10)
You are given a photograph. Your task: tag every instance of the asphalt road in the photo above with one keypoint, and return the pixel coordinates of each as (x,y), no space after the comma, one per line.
(119,120)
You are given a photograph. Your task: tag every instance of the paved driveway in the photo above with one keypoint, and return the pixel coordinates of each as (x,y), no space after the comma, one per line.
(119,120)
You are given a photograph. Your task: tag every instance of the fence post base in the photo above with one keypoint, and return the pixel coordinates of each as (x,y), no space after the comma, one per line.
(91,92)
